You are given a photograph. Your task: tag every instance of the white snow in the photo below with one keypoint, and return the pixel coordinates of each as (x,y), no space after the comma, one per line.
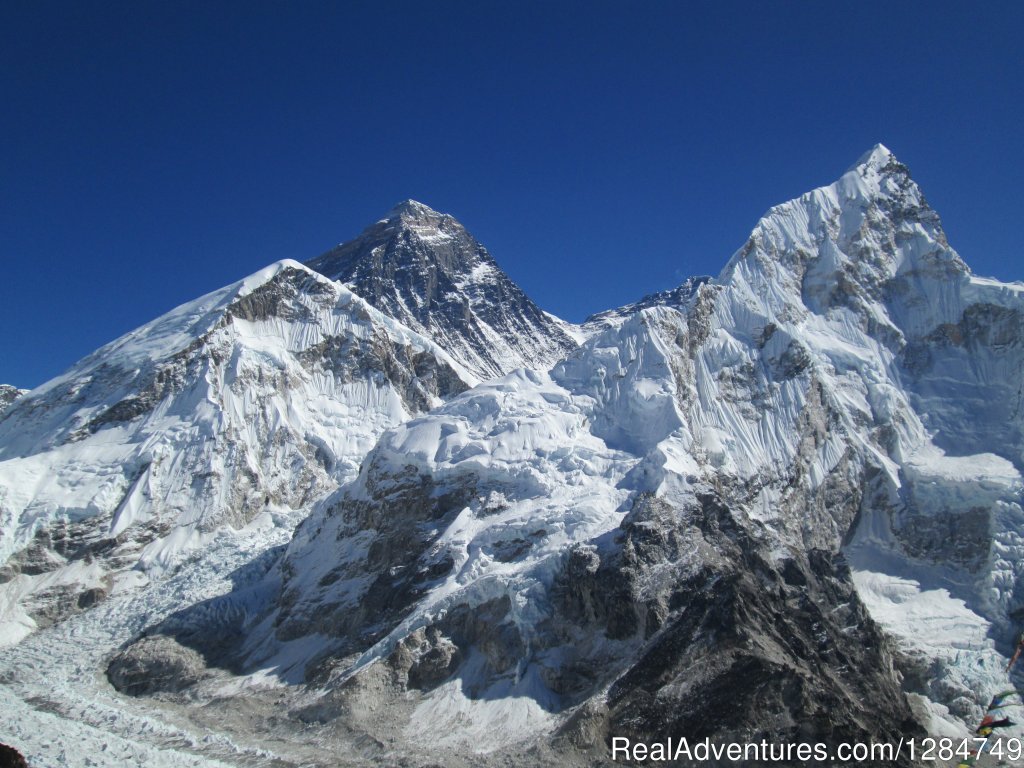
(833,342)
(250,412)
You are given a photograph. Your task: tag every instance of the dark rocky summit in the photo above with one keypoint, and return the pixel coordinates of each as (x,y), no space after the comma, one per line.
(425,270)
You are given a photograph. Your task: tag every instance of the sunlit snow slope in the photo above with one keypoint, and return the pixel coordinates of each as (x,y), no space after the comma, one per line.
(235,410)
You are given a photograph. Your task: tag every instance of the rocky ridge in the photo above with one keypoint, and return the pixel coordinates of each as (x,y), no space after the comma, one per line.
(677,297)
(237,410)
(425,270)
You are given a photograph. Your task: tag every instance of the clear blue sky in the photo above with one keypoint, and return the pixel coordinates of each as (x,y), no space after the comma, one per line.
(150,152)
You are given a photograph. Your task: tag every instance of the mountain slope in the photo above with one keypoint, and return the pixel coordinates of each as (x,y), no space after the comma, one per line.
(234,411)
(657,536)
(425,270)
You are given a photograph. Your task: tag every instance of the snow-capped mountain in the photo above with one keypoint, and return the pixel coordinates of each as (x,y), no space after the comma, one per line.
(232,412)
(657,536)
(425,270)
(783,503)
(144,450)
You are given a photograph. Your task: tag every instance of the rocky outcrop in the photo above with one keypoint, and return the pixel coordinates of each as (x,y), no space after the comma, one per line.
(739,646)
(425,270)
(8,395)
(155,664)
(11,758)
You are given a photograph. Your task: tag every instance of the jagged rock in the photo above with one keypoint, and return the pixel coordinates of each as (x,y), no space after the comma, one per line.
(8,395)
(424,269)
(156,664)
(426,658)
(90,597)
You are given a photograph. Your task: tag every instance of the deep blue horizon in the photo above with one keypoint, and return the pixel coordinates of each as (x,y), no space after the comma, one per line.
(600,151)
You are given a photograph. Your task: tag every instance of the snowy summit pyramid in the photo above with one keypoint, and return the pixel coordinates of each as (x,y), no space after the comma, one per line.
(425,270)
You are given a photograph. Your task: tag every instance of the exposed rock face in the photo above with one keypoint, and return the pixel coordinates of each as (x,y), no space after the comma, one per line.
(8,395)
(155,665)
(743,645)
(425,270)
(11,758)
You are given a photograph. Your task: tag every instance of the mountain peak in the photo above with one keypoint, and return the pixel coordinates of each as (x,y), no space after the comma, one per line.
(846,244)
(878,156)
(425,270)
(412,209)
